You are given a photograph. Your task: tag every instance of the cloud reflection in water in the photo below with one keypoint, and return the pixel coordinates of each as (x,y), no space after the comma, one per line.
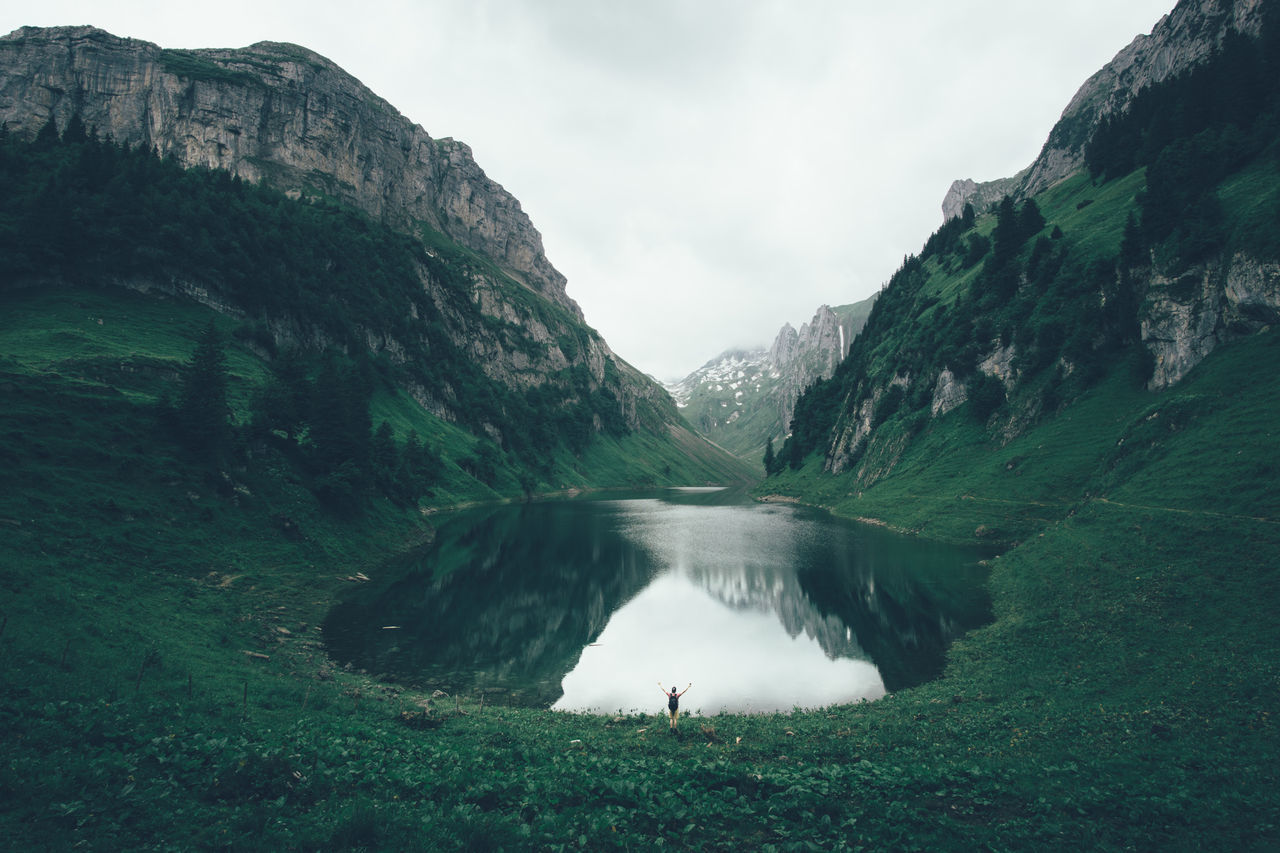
(738,660)
(588,604)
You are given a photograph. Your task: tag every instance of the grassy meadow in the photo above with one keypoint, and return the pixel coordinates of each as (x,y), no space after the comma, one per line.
(163,685)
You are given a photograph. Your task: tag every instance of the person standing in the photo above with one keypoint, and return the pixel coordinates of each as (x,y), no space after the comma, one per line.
(673,702)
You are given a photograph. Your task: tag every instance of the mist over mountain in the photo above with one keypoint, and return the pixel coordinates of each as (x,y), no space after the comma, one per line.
(743,399)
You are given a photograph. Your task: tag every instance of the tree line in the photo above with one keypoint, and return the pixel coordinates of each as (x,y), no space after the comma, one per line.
(78,207)
(1191,132)
(321,421)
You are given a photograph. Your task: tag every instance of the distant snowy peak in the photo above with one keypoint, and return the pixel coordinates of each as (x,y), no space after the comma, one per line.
(743,398)
(730,371)
(818,347)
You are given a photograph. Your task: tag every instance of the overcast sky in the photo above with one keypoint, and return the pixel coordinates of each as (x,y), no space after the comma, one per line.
(701,171)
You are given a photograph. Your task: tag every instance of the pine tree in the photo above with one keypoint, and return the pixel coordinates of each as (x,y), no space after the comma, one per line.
(1030,220)
(1133,249)
(1006,237)
(47,137)
(384,455)
(341,428)
(75,131)
(282,403)
(203,414)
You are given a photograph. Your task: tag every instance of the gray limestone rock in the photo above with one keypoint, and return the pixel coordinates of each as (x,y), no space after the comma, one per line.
(1187,316)
(275,113)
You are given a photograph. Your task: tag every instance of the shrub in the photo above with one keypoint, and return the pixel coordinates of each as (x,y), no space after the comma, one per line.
(986,394)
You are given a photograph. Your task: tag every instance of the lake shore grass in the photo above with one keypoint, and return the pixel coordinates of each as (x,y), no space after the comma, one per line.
(163,686)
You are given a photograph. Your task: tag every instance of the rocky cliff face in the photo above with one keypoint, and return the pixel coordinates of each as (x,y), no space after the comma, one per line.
(1187,317)
(286,117)
(981,196)
(796,359)
(276,113)
(1181,39)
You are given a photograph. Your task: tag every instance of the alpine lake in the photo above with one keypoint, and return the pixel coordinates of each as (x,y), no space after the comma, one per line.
(598,603)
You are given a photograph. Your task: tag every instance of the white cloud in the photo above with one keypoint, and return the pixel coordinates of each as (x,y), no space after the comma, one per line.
(701,172)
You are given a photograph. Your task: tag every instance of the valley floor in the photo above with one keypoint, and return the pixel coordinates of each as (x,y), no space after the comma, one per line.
(162,685)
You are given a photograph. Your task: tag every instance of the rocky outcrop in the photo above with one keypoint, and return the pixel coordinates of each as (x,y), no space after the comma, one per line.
(275,113)
(853,430)
(1000,365)
(1183,38)
(797,359)
(981,196)
(1186,317)
(948,393)
(820,343)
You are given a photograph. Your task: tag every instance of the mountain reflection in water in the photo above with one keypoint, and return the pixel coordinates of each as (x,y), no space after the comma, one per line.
(586,604)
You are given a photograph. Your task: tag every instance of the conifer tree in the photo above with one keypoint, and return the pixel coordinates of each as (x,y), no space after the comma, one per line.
(203,414)
(341,430)
(282,403)
(1030,220)
(384,455)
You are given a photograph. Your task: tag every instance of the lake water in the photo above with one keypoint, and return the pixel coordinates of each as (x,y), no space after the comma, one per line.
(588,604)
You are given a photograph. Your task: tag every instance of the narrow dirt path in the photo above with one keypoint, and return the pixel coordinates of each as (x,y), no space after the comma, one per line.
(1150,507)
(1202,512)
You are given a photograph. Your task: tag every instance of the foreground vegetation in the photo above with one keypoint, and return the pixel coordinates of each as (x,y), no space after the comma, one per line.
(164,686)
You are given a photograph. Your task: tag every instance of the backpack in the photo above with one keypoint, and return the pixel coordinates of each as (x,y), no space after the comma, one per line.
(673,702)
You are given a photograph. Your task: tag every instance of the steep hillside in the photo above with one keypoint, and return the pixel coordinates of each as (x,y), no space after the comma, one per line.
(1143,263)
(1185,37)
(743,399)
(321,223)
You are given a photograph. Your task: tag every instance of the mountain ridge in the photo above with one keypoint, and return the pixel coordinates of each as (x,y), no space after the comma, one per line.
(285,118)
(1183,38)
(274,112)
(1153,252)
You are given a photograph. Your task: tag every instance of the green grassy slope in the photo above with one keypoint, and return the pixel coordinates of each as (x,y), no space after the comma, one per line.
(163,683)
